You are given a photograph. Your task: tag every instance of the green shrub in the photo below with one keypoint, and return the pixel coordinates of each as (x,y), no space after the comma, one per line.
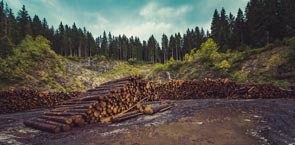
(132,61)
(224,65)
(240,76)
(28,56)
(100,57)
(169,62)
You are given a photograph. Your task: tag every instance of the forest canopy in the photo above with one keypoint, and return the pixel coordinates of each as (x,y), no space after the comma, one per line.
(262,22)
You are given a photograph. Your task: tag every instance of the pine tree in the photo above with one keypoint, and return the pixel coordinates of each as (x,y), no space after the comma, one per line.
(152,49)
(139,48)
(256,30)
(104,44)
(2,19)
(274,19)
(199,37)
(171,47)
(223,31)
(60,41)
(111,48)
(24,23)
(12,28)
(45,28)
(165,47)
(36,26)
(144,51)
(178,46)
(91,45)
(67,41)
(238,36)
(75,39)
(124,47)
(215,26)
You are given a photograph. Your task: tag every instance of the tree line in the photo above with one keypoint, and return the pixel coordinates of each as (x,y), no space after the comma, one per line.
(262,22)
(124,48)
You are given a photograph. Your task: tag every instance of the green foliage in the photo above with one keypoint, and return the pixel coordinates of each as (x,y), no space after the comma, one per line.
(281,83)
(132,61)
(208,55)
(224,65)
(240,76)
(30,55)
(100,57)
(169,62)
(207,52)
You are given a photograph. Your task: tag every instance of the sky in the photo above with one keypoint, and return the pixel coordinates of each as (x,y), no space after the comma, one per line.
(140,18)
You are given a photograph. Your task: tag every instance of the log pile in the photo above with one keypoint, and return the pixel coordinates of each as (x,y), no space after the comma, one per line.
(129,97)
(196,89)
(111,101)
(218,88)
(12,101)
(266,91)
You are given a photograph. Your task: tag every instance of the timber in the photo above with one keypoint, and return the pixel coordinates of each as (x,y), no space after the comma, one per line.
(130,97)
(110,102)
(17,100)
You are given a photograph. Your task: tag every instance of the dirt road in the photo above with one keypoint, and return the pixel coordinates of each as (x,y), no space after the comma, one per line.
(204,122)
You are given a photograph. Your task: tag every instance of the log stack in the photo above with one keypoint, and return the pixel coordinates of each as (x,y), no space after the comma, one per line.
(266,91)
(218,88)
(196,89)
(102,104)
(17,100)
(128,97)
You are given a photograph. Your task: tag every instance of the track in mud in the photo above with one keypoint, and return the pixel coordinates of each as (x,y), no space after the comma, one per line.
(208,121)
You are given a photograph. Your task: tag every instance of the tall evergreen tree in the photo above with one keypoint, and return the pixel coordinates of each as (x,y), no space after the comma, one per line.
(223,31)
(238,36)
(256,30)
(171,47)
(24,23)
(144,51)
(36,26)
(152,49)
(165,47)
(12,28)
(2,19)
(215,26)
(61,39)
(45,28)
(104,44)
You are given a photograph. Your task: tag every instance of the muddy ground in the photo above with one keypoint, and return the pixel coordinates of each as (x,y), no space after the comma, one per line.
(201,122)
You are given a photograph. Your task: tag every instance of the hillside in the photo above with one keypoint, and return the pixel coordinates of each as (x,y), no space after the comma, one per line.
(273,63)
(32,64)
(44,70)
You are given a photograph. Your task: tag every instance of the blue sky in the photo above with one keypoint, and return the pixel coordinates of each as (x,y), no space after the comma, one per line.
(140,18)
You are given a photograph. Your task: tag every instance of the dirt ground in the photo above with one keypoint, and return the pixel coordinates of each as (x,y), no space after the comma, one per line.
(199,122)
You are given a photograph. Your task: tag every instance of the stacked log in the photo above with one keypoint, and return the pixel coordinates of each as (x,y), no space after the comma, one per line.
(218,88)
(27,99)
(128,97)
(105,103)
(266,91)
(196,89)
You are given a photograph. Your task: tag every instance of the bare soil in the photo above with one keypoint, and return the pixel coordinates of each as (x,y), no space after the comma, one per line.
(202,122)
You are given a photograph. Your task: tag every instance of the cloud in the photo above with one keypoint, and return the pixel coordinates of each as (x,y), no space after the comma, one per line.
(152,19)
(153,11)
(144,30)
(140,19)
(15,4)
(96,23)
